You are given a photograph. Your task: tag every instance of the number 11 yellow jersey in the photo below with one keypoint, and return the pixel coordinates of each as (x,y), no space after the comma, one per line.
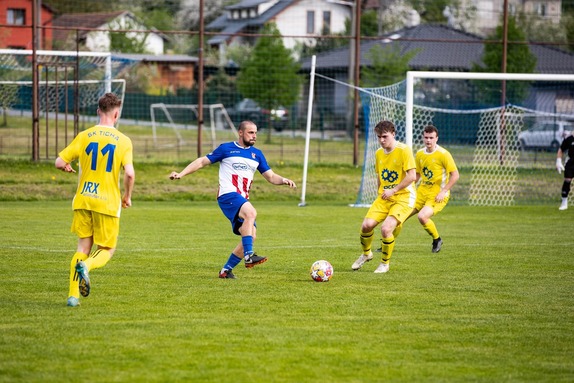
(102,152)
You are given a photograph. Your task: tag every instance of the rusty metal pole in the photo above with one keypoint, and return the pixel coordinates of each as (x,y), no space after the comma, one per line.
(200,80)
(504,48)
(35,113)
(503,85)
(356,82)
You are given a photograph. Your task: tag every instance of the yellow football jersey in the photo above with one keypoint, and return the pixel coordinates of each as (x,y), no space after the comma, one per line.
(434,168)
(102,152)
(392,167)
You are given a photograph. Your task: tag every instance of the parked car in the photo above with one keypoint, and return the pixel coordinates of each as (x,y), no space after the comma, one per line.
(247,109)
(547,135)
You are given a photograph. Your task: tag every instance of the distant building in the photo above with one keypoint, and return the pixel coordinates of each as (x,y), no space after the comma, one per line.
(82,25)
(489,12)
(304,20)
(438,48)
(169,72)
(16,15)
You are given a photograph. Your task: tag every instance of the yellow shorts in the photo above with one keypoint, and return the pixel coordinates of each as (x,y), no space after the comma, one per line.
(427,198)
(104,228)
(381,208)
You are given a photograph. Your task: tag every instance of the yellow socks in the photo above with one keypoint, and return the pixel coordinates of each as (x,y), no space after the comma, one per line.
(430,228)
(397,230)
(388,244)
(366,241)
(98,258)
(74,290)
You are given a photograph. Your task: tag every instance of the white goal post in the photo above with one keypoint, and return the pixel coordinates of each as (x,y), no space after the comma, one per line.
(487,136)
(412,76)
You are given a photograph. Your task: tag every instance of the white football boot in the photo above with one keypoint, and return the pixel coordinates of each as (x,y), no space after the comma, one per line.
(361,260)
(383,268)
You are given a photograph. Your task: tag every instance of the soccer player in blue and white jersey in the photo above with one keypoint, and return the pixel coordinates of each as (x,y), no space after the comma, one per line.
(238,163)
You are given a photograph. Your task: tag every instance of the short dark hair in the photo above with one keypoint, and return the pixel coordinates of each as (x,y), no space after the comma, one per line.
(243,124)
(109,102)
(385,126)
(431,129)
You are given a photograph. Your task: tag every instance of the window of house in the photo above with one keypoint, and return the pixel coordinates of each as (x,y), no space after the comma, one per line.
(310,22)
(541,9)
(512,9)
(16,16)
(327,22)
(253,13)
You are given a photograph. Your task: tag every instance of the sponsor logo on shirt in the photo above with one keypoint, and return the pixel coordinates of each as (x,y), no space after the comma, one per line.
(240,166)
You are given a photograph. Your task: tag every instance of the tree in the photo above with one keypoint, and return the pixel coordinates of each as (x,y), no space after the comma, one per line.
(67,6)
(537,28)
(127,42)
(519,59)
(188,16)
(269,75)
(569,26)
(388,66)
(431,10)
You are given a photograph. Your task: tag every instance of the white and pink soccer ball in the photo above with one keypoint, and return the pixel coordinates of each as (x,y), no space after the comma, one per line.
(321,271)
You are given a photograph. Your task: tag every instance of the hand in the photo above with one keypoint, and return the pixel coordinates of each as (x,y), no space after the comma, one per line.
(559,165)
(388,193)
(68,169)
(126,202)
(174,176)
(440,196)
(287,181)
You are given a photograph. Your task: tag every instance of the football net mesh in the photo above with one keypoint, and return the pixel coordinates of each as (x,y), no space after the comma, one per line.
(58,70)
(180,117)
(485,141)
(58,96)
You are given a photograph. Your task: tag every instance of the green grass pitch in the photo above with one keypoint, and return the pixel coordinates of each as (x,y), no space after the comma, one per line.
(495,305)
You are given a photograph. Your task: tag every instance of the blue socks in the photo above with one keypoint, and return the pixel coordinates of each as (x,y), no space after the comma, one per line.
(247,242)
(232,262)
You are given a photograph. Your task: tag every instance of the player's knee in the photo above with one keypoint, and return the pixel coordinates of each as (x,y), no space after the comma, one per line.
(367,227)
(249,215)
(386,231)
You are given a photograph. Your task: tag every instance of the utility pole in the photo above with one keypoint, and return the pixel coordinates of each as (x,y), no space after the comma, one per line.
(200,80)
(357,68)
(36,12)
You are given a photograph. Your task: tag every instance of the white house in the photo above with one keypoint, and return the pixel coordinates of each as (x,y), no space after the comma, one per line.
(297,20)
(88,27)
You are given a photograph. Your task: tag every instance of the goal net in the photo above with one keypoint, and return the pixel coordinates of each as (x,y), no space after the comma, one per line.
(58,72)
(509,151)
(180,117)
(56,96)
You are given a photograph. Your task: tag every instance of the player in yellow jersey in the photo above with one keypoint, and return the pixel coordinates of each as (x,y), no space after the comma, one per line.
(437,174)
(102,152)
(395,169)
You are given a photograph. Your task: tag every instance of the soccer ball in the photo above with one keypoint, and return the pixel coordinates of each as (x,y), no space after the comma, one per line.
(321,271)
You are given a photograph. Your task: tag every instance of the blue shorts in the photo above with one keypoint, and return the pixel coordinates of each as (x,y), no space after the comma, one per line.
(230,204)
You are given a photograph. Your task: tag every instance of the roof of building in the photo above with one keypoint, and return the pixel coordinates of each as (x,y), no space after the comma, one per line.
(156,58)
(86,21)
(441,48)
(229,27)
